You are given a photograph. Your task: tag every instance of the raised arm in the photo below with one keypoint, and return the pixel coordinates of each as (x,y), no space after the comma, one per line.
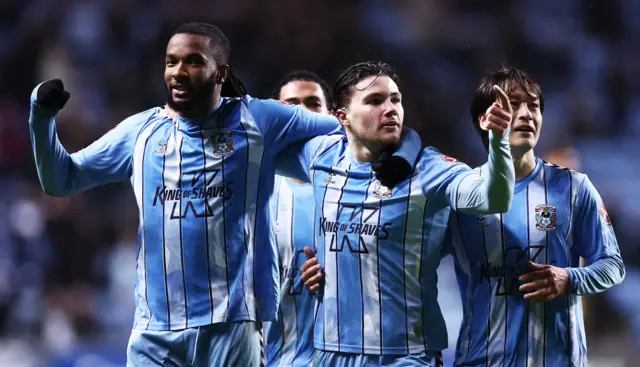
(62,174)
(492,190)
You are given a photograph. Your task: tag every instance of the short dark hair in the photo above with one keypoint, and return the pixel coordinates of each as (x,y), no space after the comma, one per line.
(303,75)
(506,78)
(344,87)
(221,50)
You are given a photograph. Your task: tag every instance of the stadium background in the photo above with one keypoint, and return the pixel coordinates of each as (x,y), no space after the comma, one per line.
(67,266)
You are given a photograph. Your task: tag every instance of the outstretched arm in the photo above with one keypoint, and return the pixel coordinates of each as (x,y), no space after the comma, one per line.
(284,125)
(491,191)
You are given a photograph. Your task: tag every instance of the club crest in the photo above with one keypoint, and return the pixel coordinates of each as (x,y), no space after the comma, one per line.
(222,142)
(380,191)
(546,217)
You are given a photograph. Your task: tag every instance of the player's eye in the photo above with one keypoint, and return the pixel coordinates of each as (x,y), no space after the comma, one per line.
(375,101)
(534,105)
(396,99)
(170,62)
(194,60)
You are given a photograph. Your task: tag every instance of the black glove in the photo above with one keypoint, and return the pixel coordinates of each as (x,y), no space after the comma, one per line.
(52,95)
(391,170)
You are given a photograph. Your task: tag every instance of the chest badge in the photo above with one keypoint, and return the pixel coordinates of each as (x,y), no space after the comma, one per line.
(546,217)
(380,191)
(222,142)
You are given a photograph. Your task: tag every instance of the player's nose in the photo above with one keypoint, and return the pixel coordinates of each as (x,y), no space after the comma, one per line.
(390,109)
(524,113)
(179,71)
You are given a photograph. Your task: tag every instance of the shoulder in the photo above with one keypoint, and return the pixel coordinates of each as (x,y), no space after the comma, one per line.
(138,121)
(155,112)
(327,146)
(553,170)
(431,158)
(264,105)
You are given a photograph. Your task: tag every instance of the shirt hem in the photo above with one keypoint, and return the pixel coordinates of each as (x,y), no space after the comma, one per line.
(328,347)
(157,326)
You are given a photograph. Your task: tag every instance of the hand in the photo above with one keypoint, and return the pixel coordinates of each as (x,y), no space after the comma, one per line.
(390,170)
(51,95)
(546,281)
(309,270)
(499,114)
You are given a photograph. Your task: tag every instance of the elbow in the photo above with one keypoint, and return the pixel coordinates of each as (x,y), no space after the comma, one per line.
(504,207)
(501,206)
(621,271)
(54,192)
(500,199)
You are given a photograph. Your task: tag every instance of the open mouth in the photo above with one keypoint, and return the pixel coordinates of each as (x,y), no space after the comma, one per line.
(525,129)
(180,90)
(390,124)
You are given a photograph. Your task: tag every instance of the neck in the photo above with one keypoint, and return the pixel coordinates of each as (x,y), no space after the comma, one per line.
(295,180)
(524,163)
(362,152)
(201,110)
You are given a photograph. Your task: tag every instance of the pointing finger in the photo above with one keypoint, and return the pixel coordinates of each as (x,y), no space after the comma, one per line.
(503,99)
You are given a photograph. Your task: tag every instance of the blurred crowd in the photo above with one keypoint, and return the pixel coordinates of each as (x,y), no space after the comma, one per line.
(67,265)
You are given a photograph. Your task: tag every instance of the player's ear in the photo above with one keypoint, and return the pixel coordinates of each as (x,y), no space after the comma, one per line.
(482,119)
(341,114)
(222,74)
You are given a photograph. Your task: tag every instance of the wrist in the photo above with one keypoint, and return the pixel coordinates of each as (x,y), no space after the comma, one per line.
(572,286)
(499,140)
(41,115)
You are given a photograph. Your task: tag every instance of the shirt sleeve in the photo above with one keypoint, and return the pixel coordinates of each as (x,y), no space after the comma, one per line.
(472,193)
(296,161)
(108,159)
(595,241)
(283,125)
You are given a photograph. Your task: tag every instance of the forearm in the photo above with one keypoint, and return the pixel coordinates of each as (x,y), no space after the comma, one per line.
(53,163)
(493,192)
(597,277)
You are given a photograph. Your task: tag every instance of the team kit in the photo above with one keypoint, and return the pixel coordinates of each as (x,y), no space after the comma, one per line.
(306,228)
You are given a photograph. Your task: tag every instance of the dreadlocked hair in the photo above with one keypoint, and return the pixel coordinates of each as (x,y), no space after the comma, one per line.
(345,84)
(233,86)
(221,49)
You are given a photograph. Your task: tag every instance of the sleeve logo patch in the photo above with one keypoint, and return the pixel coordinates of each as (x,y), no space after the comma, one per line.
(446,158)
(604,215)
(286,103)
